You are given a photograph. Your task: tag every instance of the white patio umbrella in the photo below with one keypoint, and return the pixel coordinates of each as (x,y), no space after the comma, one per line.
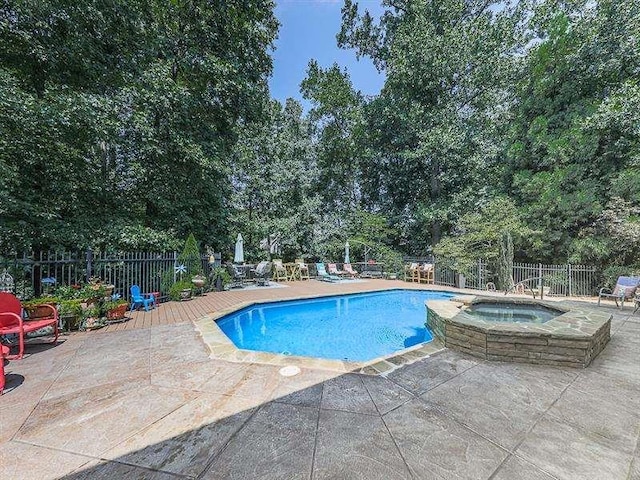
(239,256)
(346,252)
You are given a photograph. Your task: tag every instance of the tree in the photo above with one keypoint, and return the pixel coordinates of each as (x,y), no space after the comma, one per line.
(335,118)
(447,64)
(274,180)
(570,148)
(123,114)
(488,234)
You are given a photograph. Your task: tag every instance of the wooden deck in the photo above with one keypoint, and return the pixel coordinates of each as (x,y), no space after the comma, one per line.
(179,312)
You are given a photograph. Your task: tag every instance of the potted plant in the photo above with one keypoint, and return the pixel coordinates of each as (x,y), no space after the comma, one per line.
(115,309)
(40,307)
(180,290)
(199,280)
(70,312)
(220,278)
(92,319)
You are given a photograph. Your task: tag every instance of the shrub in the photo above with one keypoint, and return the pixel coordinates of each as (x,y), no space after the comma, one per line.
(176,288)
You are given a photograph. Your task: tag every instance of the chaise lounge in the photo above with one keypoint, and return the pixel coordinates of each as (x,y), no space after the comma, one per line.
(624,290)
(323,275)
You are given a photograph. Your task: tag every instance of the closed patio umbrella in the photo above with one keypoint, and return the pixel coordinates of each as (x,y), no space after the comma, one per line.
(346,252)
(239,255)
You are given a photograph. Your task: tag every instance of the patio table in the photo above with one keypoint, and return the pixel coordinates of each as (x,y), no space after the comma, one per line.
(248,269)
(370,269)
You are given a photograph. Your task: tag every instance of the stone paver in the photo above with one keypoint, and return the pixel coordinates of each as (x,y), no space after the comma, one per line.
(149,403)
(356,446)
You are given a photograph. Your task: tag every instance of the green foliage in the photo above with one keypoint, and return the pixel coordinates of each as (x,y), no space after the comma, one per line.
(178,287)
(612,239)
(484,234)
(190,257)
(70,308)
(496,121)
(222,274)
(123,139)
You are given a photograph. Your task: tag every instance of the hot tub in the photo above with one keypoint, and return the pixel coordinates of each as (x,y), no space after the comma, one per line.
(520,330)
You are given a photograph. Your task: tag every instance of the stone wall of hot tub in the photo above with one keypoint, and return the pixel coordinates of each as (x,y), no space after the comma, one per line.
(574,338)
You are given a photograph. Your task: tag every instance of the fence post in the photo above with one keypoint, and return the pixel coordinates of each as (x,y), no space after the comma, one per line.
(89,263)
(175,259)
(540,282)
(569,280)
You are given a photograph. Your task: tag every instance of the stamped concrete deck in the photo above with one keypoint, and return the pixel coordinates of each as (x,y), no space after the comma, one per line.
(145,401)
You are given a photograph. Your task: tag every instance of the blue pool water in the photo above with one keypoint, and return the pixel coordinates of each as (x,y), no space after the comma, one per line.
(512,312)
(354,327)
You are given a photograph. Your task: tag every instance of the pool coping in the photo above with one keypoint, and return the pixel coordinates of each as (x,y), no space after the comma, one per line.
(222,348)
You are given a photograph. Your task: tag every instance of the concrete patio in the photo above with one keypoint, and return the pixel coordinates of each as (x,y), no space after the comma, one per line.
(144,400)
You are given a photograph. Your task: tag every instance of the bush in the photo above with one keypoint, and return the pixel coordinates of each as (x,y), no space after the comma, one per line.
(190,257)
(176,288)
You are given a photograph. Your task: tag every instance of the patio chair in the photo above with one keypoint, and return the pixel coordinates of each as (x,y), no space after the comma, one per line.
(262,273)
(349,270)
(139,299)
(333,270)
(237,276)
(323,275)
(425,273)
(11,321)
(411,272)
(625,289)
(279,271)
(304,269)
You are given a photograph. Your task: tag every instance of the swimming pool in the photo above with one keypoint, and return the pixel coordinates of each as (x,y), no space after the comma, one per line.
(354,327)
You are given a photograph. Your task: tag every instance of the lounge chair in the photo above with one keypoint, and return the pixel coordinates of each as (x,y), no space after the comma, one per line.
(237,276)
(349,270)
(279,271)
(333,270)
(262,273)
(425,273)
(304,269)
(625,289)
(411,272)
(323,275)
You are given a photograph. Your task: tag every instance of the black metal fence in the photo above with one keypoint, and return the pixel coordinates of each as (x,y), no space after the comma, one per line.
(34,274)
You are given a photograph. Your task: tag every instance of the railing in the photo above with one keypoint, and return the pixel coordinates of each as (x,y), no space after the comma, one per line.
(150,270)
(558,280)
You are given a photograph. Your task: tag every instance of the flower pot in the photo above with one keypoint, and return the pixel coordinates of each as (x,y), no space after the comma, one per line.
(36,312)
(93,323)
(185,294)
(117,313)
(70,322)
(198,281)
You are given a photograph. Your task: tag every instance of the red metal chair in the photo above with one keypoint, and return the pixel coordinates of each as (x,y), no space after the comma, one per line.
(11,321)
(4,351)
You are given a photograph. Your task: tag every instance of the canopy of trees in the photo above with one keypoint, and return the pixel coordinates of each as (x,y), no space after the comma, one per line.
(128,124)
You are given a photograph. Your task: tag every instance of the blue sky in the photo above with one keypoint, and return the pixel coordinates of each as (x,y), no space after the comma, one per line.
(308,30)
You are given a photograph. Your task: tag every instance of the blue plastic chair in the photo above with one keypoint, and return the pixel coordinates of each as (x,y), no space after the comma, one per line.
(141,299)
